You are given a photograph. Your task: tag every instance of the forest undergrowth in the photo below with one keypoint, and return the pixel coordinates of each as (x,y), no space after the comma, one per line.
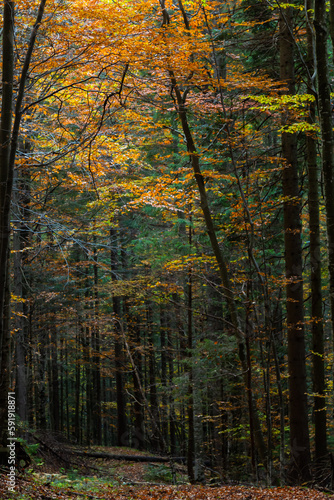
(98,478)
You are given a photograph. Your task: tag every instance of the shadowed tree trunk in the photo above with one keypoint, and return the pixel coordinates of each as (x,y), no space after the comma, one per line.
(122,428)
(164,401)
(78,362)
(156,438)
(320,427)
(21,240)
(97,428)
(190,396)
(299,434)
(137,373)
(172,416)
(8,145)
(6,180)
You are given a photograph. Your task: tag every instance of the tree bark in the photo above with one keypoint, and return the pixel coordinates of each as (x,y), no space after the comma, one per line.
(122,428)
(190,395)
(8,145)
(157,441)
(54,380)
(325,113)
(21,330)
(138,407)
(319,386)
(78,362)
(97,428)
(5,199)
(299,434)
(172,416)
(164,401)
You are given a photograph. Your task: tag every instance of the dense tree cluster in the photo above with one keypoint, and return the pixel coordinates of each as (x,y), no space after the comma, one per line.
(166,219)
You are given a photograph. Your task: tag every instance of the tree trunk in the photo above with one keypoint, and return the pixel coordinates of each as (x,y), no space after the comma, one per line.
(5,199)
(88,378)
(5,365)
(78,361)
(164,401)
(190,395)
(54,379)
(21,331)
(8,145)
(122,428)
(172,416)
(42,369)
(97,428)
(299,434)
(319,387)
(153,396)
(325,112)
(250,388)
(331,23)
(138,407)
(21,240)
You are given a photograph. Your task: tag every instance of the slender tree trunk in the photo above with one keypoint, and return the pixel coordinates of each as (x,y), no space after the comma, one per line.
(5,197)
(21,279)
(319,385)
(138,407)
(54,379)
(153,396)
(61,385)
(249,387)
(105,423)
(97,427)
(6,176)
(30,365)
(5,364)
(122,427)
(164,401)
(67,406)
(20,327)
(88,378)
(325,112)
(42,370)
(190,396)
(299,434)
(88,360)
(331,23)
(79,340)
(172,416)
(8,145)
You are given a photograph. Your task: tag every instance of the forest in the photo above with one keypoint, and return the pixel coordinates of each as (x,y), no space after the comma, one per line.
(167,236)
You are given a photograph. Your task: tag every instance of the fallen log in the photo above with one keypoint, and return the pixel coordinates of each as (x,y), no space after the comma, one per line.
(130,458)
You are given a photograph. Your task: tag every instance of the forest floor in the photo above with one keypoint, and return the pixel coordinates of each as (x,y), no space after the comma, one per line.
(96,478)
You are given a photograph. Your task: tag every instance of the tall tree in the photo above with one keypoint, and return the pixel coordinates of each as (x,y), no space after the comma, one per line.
(6,181)
(8,145)
(319,385)
(181,109)
(122,427)
(326,123)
